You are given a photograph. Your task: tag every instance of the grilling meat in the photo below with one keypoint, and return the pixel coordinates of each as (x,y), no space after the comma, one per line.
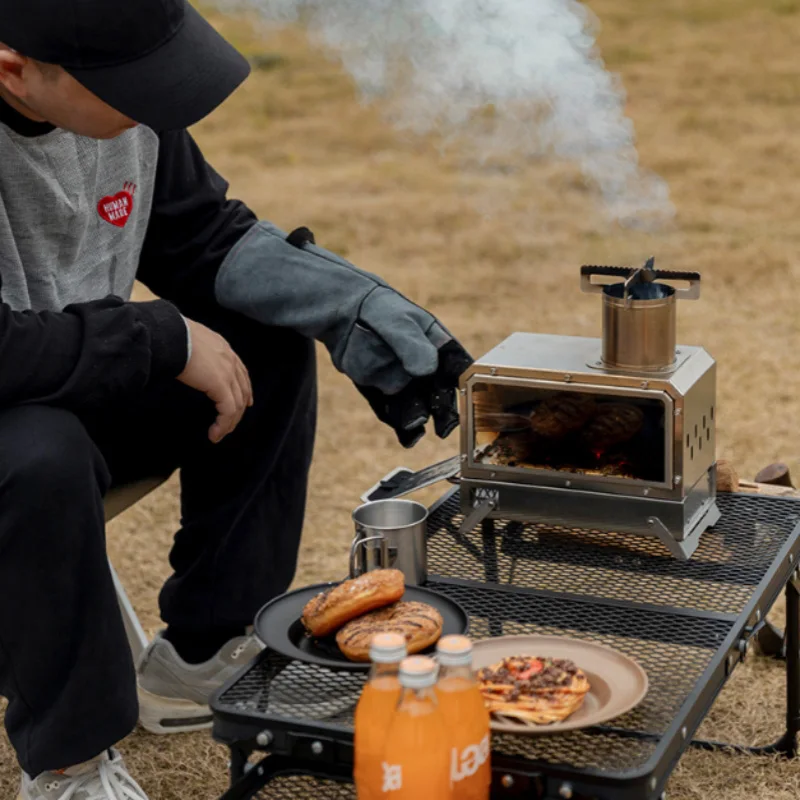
(561,414)
(420,623)
(614,423)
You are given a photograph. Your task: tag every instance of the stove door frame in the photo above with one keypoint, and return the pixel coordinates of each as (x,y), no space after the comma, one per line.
(594,483)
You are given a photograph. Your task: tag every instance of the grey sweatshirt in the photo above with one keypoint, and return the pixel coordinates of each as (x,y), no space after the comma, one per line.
(80,220)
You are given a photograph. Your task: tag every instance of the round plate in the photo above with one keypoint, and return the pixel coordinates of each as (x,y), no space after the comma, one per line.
(617,682)
(279,627)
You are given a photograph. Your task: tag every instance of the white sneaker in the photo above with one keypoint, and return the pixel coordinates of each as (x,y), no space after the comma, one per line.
(102,778)
(174,695)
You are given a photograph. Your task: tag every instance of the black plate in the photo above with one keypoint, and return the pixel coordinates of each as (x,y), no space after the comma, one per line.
(278,626)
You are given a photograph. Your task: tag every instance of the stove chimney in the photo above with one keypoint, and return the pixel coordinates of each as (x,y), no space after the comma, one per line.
(639,328)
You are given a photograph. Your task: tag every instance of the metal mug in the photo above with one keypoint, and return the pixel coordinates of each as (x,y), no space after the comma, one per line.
(402,525)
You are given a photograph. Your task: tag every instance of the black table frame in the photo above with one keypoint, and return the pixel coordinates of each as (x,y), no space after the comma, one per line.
(296,747)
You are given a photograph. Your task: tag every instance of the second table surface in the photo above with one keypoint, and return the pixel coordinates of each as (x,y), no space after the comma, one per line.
(679,620)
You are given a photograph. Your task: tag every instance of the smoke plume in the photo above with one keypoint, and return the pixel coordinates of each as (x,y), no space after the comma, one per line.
(499,79)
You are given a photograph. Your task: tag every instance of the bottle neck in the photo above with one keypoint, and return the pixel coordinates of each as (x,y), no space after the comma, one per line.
(462,671)
(409,695)
(384,671)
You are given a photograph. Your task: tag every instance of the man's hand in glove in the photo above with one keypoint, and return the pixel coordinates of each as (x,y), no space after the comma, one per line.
(400,357)
(432,395)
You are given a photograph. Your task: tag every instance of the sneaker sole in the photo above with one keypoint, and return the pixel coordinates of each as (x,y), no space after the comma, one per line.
(163,715)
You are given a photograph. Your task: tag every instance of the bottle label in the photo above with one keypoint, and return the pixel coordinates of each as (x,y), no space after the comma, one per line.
(392,777)
(469,761)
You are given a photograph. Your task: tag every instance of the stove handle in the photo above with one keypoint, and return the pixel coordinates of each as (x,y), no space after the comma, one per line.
(403,481)
(597,288)
(692,292)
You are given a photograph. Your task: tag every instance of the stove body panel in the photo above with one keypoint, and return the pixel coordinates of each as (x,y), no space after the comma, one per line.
(660,480)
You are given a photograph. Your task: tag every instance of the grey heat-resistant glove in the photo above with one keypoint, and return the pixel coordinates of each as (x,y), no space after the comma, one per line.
(401,358)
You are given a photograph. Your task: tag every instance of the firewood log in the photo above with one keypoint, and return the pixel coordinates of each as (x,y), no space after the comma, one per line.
(776,474)
(727,477)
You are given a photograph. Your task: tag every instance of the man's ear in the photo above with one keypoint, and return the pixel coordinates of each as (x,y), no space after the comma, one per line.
(12,67)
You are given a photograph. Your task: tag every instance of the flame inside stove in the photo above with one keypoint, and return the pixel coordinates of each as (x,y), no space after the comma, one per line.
(520,450)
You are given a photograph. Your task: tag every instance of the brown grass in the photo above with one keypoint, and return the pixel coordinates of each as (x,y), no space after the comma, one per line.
(713,90)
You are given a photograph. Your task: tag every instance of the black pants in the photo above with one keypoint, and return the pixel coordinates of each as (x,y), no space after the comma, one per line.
(65,663)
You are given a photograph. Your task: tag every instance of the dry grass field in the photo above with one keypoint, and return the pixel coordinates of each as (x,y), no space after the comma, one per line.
(714,92)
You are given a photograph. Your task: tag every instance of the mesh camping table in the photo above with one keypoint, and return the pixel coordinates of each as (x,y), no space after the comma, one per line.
(687,624)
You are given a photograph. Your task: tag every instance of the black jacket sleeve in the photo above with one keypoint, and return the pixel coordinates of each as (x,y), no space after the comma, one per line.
(192,226)
(89,353)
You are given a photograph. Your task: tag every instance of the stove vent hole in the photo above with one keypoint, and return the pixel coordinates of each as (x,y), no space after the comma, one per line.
(691,453)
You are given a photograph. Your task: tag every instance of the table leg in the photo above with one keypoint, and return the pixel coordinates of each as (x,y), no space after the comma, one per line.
(238,763)
(787,744)
(792,667)
(771,641)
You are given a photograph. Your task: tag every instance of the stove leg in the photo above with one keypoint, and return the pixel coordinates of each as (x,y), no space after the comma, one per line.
(489,551)
(490,567)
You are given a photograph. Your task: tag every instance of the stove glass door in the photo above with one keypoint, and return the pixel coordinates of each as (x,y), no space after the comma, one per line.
(586,432)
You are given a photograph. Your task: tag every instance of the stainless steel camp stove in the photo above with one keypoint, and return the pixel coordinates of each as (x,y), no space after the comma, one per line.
(610,434)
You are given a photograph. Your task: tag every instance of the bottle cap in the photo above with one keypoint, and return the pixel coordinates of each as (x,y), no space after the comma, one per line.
(454,651)
(417,672)
(387,648)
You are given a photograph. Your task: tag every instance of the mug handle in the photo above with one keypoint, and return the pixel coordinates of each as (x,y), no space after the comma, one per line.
(354,554)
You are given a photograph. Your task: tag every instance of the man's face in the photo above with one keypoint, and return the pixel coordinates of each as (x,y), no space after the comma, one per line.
(50,94)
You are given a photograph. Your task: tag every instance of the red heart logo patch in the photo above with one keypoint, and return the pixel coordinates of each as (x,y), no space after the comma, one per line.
(116,209)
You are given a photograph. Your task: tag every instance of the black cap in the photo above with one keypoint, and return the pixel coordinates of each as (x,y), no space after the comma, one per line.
(156,61)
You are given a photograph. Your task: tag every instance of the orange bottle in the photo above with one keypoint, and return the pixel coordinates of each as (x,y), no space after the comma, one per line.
(466,719)
(416,760)
(375,708)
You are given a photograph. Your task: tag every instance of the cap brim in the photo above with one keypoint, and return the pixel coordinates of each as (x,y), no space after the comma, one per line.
(176,85)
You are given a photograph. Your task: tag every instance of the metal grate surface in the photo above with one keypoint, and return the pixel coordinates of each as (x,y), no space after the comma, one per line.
(622,591)
(673,651)
(279,687)
(294,787)
(729,562)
